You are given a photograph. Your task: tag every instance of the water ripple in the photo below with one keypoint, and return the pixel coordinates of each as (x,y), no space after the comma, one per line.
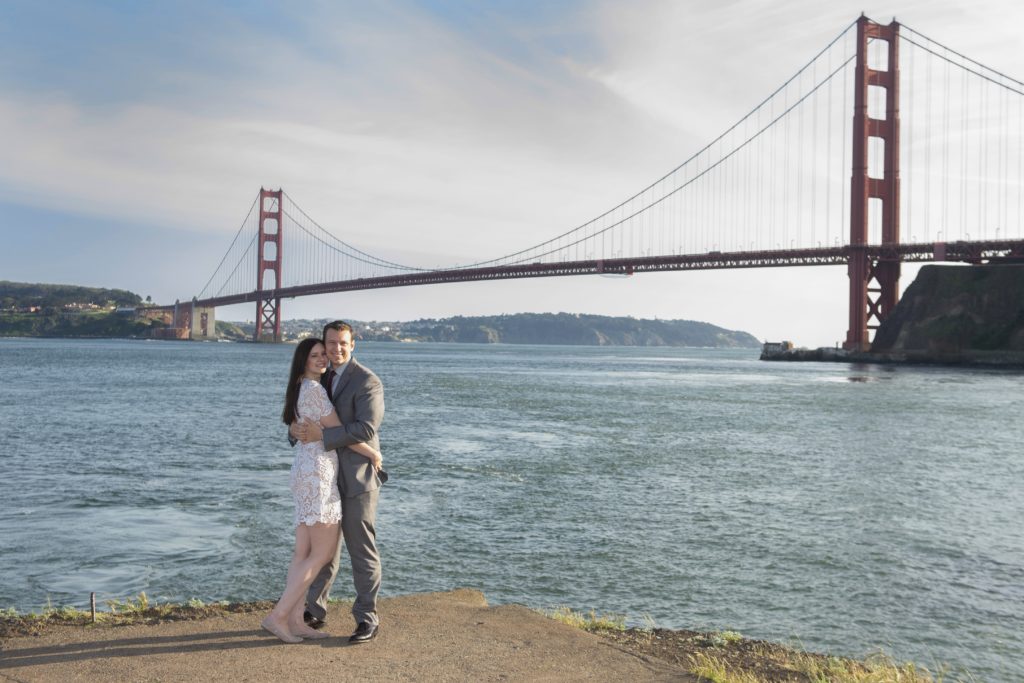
(849,508)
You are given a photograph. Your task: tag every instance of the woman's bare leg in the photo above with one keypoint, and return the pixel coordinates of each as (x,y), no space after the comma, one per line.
(314,546)
(273,621)
(296,624)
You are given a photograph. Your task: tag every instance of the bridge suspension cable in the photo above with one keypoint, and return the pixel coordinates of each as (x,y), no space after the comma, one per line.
(776,180)
(963,168)
(718,197)
(331,242)
(315,256)
(234,280)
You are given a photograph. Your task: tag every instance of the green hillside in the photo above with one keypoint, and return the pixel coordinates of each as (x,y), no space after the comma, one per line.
(45,310)
(542,328)
(23,294)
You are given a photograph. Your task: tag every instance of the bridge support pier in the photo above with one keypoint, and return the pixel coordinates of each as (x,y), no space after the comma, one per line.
(874,283)
(268,260)
(182,320)
(185,320)
(204,323)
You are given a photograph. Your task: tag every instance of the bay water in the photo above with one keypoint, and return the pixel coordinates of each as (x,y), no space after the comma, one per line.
(843,508)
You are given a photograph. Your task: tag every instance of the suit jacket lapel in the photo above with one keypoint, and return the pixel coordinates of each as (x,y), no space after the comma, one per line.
(345,377)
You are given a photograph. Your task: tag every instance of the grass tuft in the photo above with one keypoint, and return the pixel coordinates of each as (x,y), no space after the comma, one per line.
(728,657)
(813,668)
(721,638)
(878,668)
(710,668)
(588,622)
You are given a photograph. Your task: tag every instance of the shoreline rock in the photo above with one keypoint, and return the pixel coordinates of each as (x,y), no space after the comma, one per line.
(949,315)
(1008,360)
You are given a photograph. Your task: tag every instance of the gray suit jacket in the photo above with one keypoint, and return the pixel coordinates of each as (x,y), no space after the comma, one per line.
(359,402)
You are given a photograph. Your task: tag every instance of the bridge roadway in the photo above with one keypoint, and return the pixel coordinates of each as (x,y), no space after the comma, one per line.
(962,251)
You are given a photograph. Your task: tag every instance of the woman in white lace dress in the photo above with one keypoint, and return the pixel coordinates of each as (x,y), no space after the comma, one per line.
(314,485)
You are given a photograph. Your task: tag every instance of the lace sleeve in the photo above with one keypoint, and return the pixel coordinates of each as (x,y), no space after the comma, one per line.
(313,403)
(323,403)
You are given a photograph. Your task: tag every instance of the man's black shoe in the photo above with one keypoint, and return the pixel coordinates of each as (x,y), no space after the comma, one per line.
(312,621)
(365,632)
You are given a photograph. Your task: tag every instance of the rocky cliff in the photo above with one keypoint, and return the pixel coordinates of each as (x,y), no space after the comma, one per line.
(958,314)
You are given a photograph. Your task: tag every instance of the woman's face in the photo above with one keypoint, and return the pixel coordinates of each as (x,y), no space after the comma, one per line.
(316,364)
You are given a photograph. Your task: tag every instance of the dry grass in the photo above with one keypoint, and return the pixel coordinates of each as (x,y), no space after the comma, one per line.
(813,668)
(588,622)
(728,657)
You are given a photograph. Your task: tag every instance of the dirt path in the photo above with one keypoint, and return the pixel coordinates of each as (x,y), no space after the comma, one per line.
(451,636)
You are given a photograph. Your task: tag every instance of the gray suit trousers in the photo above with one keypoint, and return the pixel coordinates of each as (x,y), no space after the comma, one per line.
(358,530)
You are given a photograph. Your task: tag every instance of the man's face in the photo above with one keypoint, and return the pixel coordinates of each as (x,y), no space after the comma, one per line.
(339,346)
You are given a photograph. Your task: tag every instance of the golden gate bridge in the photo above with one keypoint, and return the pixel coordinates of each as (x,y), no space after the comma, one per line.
(886,147)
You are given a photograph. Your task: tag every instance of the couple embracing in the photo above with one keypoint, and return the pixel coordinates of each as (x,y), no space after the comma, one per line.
(333,407)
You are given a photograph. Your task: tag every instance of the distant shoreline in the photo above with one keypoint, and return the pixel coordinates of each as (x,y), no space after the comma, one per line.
(373,341)
(558,329)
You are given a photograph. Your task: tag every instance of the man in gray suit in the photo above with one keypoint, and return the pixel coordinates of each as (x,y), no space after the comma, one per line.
(358,398)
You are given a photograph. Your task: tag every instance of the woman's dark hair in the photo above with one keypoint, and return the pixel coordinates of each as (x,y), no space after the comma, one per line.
(291,396)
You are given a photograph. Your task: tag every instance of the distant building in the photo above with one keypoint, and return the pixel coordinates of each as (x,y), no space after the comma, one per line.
(777,347)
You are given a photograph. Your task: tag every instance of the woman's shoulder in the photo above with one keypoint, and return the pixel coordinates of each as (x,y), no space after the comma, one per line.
(311,385)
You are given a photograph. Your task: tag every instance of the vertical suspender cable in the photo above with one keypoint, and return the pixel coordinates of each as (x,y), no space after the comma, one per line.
(928,148)
(786,181)
(845,148)
(945,154)
(910,111)
(965,91)
(814,164)
(982,158)
(1004,145)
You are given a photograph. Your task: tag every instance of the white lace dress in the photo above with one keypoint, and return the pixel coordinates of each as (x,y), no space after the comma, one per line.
(314,478)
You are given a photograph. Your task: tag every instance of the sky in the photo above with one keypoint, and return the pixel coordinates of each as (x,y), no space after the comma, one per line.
(137,135)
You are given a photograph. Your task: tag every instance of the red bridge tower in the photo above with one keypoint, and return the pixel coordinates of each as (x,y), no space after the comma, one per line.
(268,259)
(874,283)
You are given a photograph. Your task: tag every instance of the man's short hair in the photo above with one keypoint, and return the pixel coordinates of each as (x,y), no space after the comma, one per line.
(339,326)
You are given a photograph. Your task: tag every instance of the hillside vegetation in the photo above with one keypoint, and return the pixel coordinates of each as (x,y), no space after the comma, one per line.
(542,328)
(23,295)
(44,310)
(47,310)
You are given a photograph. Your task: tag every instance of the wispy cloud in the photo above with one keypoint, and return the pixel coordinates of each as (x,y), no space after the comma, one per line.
(397,107)
(458,133)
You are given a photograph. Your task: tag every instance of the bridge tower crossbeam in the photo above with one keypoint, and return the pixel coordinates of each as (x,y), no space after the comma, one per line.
(268,306)
(874,282)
